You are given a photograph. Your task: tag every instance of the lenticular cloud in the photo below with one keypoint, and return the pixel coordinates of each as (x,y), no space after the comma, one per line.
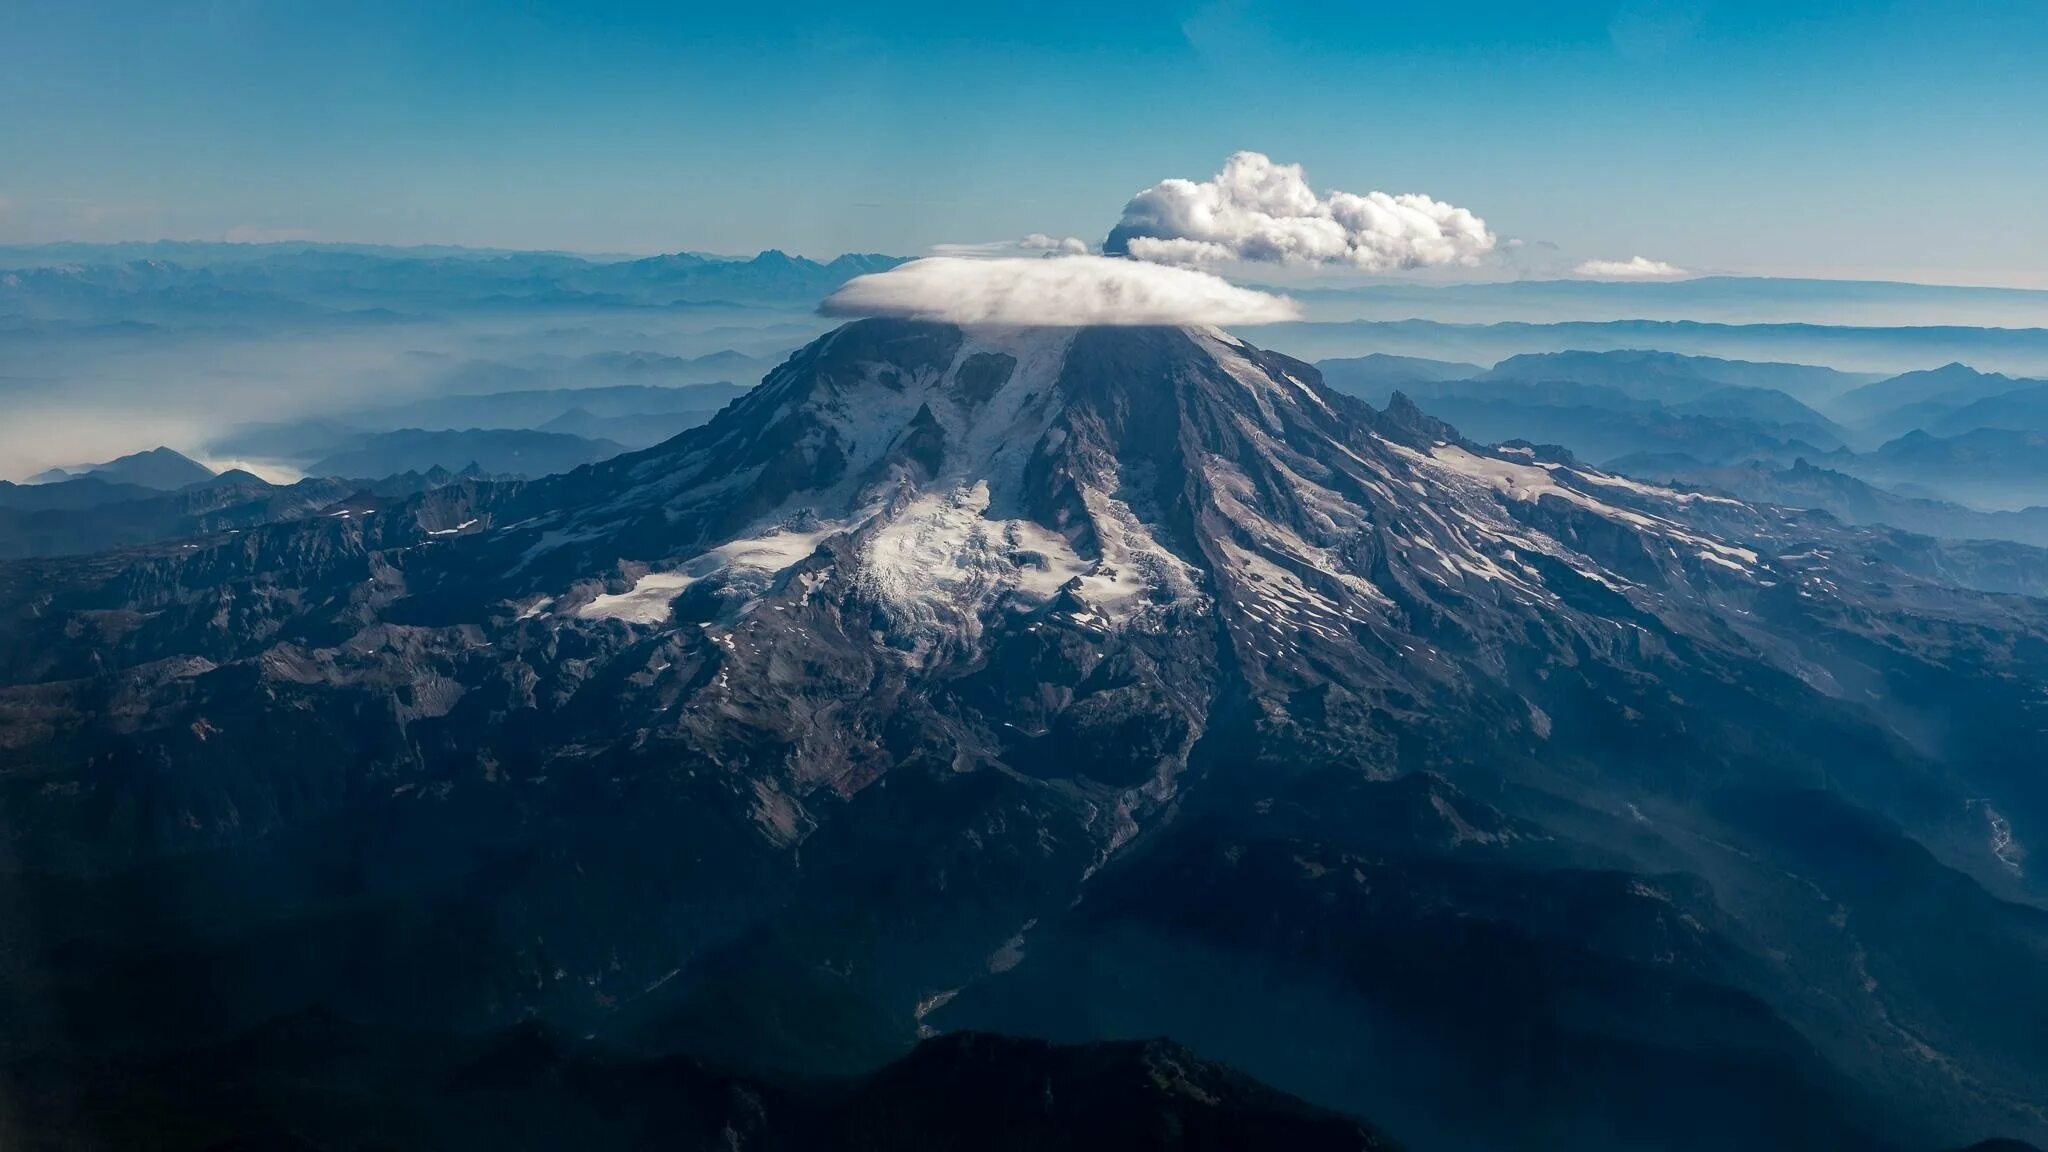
(1057,291)
(1633,268)
(1258,211)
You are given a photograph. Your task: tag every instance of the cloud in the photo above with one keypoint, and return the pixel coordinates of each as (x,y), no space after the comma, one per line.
(1037,242)
(1633,268)
(1058,291)
(1065,245)
(1256,210)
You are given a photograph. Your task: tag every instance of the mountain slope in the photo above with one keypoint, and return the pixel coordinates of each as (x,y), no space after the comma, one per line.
(1903,402)
(781,739)
(1379,373)
(503,451)
(1764,405)
(2023,409)
(1803,485)
(86,515)
(1673,377)
(160,468)
(313,1081)
(1608,405)
(1989,468)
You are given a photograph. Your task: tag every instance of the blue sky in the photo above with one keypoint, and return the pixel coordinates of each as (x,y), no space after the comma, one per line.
(1905,140)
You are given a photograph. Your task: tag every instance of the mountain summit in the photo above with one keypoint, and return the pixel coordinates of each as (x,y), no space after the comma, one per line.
(1094,683)
(158,467)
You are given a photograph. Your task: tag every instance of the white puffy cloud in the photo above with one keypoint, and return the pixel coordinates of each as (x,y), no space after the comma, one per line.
(1056,291)
(1260,211)
(1633,268)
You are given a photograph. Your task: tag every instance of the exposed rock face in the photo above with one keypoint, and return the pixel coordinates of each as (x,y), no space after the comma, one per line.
(1112,682)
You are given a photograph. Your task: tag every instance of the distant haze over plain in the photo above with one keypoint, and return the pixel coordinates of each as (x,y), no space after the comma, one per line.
(115,348)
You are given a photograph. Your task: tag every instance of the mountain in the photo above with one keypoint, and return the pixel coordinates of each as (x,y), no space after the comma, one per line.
(500,451)
(1952,384)
(305,285)
(542,374)
(1905,401)
(82,491)
(1993,453)
(1991,468)
(1594,427)
(1670,377)
(159,468)
(634,415)
(1600,421)
(771,275)
(535,407)
(638,430)
(1613,404)
(528,1088)
(1087,685)
(1762,405)
(85,515)
(2024,409)
(1803,485)
(1862,354)
(1728,299)
(1378,374)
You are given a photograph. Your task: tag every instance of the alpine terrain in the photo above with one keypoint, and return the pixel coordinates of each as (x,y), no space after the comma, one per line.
(1085,685)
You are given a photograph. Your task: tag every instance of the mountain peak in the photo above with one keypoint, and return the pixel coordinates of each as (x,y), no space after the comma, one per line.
(948,652)
(965,481)
(159,467)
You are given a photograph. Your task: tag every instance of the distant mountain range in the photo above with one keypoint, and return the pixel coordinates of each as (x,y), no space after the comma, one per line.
(1536,297)
(1853,500)
(1723,299)
(1668,377)
(90,515)
(2023,409)
(500,451)
(452,379)
(1872,351)
(1630,408)
(1613,404)
(1951,399)
(525,433)
(299,284)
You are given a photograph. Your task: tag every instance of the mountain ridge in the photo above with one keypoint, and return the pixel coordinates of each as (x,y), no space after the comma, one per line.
(882,696)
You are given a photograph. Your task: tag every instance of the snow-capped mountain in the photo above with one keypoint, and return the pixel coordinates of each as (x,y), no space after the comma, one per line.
(1098,682)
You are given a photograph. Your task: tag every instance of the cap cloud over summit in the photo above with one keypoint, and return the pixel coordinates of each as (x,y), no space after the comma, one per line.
(1057,291)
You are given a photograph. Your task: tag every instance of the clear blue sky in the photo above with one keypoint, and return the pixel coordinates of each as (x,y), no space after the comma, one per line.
(1905,140)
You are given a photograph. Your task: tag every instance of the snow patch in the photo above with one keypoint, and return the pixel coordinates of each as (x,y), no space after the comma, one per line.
(646,602)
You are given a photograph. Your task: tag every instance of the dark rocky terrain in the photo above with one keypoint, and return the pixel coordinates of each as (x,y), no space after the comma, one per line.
(312,1081)
(73,517)
(1093,685)
(499,451)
